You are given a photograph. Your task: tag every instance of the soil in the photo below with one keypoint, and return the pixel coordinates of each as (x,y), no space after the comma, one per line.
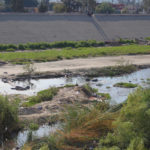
(66,96)
(76,64)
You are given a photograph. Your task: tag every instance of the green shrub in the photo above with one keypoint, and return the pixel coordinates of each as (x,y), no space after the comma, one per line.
(34,126)
(126,41)
(46,45)
(45,147)
(8,117)
(21,46)
(132,128)
(147,38)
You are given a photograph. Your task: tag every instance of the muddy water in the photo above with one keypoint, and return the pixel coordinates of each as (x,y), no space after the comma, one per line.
(118,94)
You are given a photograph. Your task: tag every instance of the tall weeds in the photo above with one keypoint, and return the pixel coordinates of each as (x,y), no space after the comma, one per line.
(82,126)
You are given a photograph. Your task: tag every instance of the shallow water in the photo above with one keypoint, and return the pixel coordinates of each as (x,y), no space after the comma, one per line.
(43,131)
(118,94)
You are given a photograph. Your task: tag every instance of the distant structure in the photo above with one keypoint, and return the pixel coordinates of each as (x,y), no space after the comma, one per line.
(31,5)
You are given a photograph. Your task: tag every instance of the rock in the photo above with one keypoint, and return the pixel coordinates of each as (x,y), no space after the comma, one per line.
(94,95)
(88,79)
(19,88)
(94,80)
(40,108)
(29,111)
(5,80)
(42,120)
(2,63)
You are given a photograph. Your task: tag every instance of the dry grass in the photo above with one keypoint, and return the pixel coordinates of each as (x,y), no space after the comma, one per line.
(85,127)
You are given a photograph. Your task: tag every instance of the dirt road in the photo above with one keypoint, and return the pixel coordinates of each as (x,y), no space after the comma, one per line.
(74,64)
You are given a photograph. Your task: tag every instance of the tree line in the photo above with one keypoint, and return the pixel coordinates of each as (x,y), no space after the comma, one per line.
(67,6)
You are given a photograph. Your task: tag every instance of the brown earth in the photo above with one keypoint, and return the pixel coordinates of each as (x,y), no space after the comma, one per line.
(65,96)
(76,64)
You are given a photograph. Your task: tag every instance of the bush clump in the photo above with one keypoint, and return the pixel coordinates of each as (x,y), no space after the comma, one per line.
(82,126)
(8,117)
(34,126)
(126,41)
(132,128)
(46,45)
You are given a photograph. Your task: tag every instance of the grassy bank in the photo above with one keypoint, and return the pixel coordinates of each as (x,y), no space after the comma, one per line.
(69,53)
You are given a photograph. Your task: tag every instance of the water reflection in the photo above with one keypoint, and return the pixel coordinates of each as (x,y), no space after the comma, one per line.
(118,94)
(43,131)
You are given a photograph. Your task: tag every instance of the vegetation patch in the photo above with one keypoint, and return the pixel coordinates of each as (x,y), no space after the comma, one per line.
(45,95)
(47,45)
(34,126)
(81,126)
(57,44)
(133,117)
(125,85)
(147,38)
(8,118)
(88,90)
(105,96)
(69,85)
(111,71)
(53,55)
(123,127)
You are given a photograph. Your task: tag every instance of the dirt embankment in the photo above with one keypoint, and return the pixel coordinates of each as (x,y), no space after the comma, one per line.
(66,96)
(76,64)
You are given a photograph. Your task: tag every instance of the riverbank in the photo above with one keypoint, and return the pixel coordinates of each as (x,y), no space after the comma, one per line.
(76,64)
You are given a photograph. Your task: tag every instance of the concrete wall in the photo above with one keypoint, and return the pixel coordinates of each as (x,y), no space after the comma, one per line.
(22,28)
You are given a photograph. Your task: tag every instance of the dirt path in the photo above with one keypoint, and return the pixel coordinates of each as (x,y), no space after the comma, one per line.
(87,63)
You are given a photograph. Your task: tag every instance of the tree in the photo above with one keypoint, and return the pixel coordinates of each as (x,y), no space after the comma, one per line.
(72,5)
(105,8)
(30,3)
(69,4)
(43,7)
(7,4)
(88,5)
(17,5)
(146,4)
(59,8)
